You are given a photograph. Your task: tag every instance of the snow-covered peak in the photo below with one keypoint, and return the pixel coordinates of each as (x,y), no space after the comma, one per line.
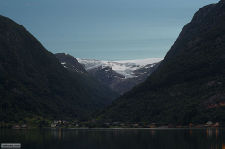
(124,67)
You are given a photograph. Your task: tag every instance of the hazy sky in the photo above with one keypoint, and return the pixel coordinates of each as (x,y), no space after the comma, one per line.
(104,29)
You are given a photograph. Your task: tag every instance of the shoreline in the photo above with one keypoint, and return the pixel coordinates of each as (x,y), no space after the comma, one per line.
(116,128)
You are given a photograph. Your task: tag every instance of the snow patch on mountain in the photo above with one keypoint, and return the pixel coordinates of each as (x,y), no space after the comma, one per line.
(124,67)
(141,62)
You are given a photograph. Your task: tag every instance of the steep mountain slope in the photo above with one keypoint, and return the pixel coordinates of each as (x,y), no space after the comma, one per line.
(189,84)
(34,83)
(70,63)
(121,76)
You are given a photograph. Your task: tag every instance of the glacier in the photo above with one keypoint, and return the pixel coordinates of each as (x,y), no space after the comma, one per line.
(123,67)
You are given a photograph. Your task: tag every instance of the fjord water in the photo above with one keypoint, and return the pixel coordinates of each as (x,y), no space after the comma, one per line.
(116,138)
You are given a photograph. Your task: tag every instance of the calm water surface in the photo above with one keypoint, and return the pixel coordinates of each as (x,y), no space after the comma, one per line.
(116,138)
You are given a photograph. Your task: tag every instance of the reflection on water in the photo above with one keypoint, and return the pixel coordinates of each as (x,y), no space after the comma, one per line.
(209,132)
(217,132)
(190,132)
(152,132)
(116,138)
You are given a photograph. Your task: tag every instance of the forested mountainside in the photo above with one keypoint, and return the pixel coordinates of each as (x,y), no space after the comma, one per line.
(34,84)
(189,85)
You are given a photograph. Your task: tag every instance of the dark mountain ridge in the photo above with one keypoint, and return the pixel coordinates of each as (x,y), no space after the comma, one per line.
(189,84)
(33,83)
(70,63)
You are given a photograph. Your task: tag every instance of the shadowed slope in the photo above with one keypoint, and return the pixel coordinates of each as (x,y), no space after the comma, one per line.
(34,83)
(189,84)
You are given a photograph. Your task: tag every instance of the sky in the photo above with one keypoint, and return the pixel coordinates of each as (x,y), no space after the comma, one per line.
(104,29)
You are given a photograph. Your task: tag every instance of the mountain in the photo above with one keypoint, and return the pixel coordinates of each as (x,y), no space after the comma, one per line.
(123,67)
(121,76)
(70,63)
(189,84)
(33,83)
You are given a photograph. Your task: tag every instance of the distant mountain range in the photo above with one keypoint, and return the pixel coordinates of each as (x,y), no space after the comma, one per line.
(189,84)
(121,76)
(126,68)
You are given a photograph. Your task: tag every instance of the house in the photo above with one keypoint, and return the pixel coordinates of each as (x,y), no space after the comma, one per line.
(209,124)
(16,127)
